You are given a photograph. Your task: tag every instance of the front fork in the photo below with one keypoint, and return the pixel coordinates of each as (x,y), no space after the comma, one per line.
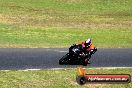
(87,59)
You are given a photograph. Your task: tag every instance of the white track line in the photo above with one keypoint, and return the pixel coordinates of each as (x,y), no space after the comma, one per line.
(30,70)
(60,51)
(76,67)
(69,68)
(93,68)
(57,50)
(108,67)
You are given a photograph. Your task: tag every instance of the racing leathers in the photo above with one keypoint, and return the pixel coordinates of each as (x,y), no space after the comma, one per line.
(88,50)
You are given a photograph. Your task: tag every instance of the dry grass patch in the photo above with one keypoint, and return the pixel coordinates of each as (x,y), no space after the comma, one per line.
(36,83)
(61,19)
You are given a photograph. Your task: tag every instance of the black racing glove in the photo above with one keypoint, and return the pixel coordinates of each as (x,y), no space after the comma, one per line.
(92,51)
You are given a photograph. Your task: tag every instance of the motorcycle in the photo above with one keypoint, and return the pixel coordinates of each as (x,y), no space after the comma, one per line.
(76,56)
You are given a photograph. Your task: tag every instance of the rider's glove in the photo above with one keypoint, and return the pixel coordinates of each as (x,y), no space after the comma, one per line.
(95,49)
(92,51)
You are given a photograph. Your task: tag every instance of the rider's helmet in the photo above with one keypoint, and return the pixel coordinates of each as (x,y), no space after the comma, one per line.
(88,42)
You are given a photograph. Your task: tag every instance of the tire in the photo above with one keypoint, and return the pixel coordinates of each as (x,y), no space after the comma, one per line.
(81,80)
(64,59)
(85,62)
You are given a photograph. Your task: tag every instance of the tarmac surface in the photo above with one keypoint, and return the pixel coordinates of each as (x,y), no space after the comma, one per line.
(47,58)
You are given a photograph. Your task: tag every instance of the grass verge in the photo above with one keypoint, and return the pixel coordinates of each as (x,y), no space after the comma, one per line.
(64,78)
(41,37)
(60,23)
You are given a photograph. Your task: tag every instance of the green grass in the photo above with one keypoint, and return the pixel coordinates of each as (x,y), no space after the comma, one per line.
(60,23)
(95,6)
(12,36)
(65,78)
(67,13)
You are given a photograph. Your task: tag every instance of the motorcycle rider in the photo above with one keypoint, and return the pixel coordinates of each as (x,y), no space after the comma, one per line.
(88,48)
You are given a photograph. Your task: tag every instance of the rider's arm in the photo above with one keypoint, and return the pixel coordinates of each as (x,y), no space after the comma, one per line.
(92,49)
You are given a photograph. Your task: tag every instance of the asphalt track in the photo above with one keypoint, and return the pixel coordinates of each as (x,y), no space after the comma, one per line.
(14,59)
